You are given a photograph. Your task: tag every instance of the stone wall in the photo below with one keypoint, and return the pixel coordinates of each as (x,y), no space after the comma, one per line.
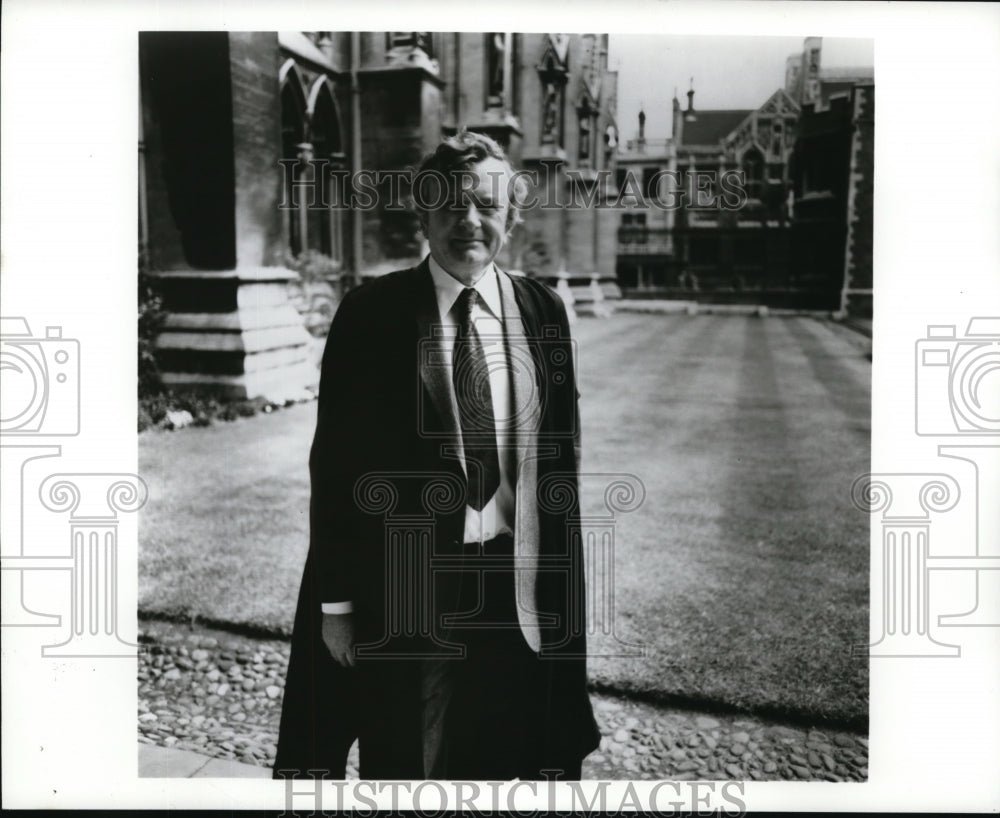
(860,212)
(256,126)
(212,128)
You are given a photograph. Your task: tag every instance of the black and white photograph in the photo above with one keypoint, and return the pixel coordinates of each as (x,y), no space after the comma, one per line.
(536,418)
(692,282)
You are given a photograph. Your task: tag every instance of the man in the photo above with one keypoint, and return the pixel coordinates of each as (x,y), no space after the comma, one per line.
(440,619)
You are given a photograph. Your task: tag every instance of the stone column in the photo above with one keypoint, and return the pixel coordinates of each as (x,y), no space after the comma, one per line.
(905,502)
(94,502)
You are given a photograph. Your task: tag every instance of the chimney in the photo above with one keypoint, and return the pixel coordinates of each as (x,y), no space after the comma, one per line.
(642,125)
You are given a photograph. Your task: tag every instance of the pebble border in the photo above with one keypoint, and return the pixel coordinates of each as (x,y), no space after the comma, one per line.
(219,694)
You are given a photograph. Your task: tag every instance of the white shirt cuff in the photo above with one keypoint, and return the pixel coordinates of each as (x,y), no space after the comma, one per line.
(337,607)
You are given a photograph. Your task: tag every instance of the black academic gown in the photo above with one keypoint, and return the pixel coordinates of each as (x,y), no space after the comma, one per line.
(380,455)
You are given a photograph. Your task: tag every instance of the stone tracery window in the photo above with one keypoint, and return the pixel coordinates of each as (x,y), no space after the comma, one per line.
(294,148)
(326,223)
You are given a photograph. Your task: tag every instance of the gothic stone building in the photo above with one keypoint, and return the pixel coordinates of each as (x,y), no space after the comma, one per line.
(246,139)
(702,248)
(833,180)
(646,252)
(802,238)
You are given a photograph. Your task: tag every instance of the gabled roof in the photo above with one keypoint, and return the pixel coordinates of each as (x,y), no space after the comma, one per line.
(711,127)
(708,127)
(300,45)
(779,103)
(555,50)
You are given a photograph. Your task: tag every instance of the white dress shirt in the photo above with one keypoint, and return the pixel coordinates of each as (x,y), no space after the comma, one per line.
(497,516)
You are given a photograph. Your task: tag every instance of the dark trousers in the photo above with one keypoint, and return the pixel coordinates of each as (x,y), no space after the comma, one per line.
(495,714)
(479,717)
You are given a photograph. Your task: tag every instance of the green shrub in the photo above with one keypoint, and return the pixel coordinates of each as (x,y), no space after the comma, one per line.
(151,316)
(311,265)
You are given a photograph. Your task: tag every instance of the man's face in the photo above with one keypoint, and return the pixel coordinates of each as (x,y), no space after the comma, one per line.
(467,232)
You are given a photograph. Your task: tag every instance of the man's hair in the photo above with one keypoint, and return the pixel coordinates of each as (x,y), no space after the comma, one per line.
(461,152)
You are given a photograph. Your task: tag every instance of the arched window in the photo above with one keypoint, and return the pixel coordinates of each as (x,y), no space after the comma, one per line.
(294,147)
(326,223)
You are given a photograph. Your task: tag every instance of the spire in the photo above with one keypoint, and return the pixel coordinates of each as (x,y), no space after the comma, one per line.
(690,95)
(642,123)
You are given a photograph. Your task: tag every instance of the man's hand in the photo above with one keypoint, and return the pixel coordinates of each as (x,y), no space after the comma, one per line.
(338,636)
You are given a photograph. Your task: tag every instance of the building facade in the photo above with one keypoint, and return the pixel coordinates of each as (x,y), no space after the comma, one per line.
(833,180)
(646,251)
(703,241)
(737,253)
(252,145)
(800,235)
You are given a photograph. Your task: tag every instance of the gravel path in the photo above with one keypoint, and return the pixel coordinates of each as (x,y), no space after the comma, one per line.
(220,695)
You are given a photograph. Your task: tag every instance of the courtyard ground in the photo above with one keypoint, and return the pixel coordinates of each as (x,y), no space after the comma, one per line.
(209,706)
(742,576)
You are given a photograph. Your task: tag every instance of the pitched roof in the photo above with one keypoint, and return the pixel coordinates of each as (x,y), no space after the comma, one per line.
(300,45)
(708,127)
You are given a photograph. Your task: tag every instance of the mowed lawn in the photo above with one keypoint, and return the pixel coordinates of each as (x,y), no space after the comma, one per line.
(743,574)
